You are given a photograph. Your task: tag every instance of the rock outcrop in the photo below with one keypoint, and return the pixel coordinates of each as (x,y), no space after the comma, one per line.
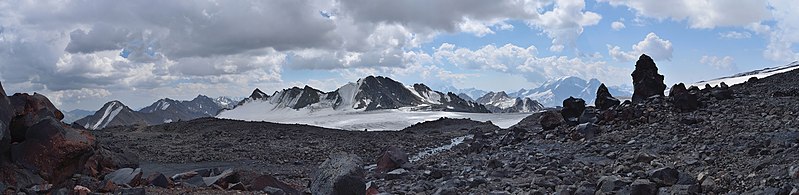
(340,174)
(572,110)
(604,99)
(683,99)
(646,80)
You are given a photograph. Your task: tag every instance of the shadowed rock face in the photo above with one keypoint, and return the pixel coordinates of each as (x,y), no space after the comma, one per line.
(604,99)
(646,80)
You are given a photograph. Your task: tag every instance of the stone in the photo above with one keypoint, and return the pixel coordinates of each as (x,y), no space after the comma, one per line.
(80,190)
(565,189)
(6,113)
(392,158)
(586,130)
(237,186)
(604,100)
(130,191)
(268,181)
(550,120)
(339,174)
(679,189)
(194,181)
(646,80)
(222,179)
(125,176)
(721,93)
(643,187)
(612,183)
(572,109)
(159,180)
(54,150)
(396,174)
(665,176)
(683,99)
(273,191)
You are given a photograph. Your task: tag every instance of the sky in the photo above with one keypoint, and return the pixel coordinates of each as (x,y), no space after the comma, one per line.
(83,53)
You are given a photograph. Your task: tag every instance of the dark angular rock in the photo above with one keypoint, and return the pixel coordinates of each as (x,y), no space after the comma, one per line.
(604,100)
(679,189)
(54,150)
(339,174)
(612,183)
(265,182)
(273,191)
(130,191)
(6,112)
(392,158)
(586,130)
(159,180)
(643,187)
(396,174)
(550,120)
(646,80)
(752,79)
(572,109)
(125,176)
(683,99)
(722,93)
(590,115)
(665,176)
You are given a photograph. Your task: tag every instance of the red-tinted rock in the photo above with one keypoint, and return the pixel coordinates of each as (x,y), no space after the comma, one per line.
(6,112)
(264,181)
(54,150)
(646,80)
(392,158)
(29,110)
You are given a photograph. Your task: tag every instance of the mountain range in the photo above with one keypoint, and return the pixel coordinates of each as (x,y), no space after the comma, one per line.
(500,102)
(553,92)
(166,110)
(370,93)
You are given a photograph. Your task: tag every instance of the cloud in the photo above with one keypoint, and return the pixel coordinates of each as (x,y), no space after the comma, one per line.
(701,14)
(565,23)
(782,35)
(513,59)
(617,25)
(652,45)
(719,63)
(76,95)
(735,35)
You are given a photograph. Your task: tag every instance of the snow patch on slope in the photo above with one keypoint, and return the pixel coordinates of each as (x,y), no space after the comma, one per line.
(743,77)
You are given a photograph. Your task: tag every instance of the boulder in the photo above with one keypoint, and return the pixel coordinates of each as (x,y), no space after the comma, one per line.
(268,183)
(608,184)
(665,176)
(54,150)
(6,112)
(643,187)
(159,180)
(586,130)
(396,174)
(339,174)
(222,179)
(722,92)
(392,158)
(604,100)
(572,109)
(125,176)
(646,80)
(683,99)
(550,120)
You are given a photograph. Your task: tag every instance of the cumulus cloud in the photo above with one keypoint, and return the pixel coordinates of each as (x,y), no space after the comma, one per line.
(782,36)
(526,62)
(720,63)
(735,35)
(617,25)
(701,14)
(565,23)
(652,45)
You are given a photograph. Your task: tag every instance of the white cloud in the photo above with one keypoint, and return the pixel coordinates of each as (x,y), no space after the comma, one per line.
(617,25)
(700,13)
(735,35)
(652,45)
(526,62)
(720,63)
(565,23)
(783,35)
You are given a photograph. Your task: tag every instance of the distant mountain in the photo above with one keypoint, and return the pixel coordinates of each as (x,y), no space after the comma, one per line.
(74,115)
(500,102)
(465,97)
(553,92)
(165,110)
(471,92)
(370,93)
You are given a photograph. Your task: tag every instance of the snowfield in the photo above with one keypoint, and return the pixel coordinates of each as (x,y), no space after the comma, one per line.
(743,77)
(378,120)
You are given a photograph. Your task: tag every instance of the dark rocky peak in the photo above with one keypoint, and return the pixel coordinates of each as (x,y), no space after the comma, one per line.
(201,97)
(257,94)
(296,98)
(161,104)
(646,80)
(604,99)
(419,87)
(492,97)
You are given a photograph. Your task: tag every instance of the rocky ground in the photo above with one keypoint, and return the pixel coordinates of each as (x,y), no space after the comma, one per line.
(288,152)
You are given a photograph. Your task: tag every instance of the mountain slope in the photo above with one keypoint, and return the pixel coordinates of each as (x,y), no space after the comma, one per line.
(165,110)
(500,102)
(743,77)
(370,93)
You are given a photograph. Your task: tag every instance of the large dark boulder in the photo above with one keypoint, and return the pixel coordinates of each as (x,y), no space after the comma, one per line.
(392,158)
(29,110)
(572,109)
(54,150)
(646,80)
(683,99)
(604,99)
(340,174)
(5,119)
